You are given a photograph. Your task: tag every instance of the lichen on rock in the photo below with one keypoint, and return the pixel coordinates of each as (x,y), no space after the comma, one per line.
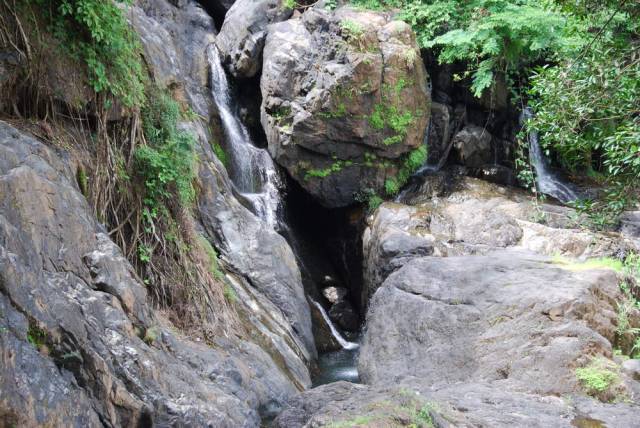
(345,98)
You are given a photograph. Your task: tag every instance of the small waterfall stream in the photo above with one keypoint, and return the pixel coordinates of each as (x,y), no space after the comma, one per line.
(251,168)
(253,172)
(546,180)
(337,365)
(350,346)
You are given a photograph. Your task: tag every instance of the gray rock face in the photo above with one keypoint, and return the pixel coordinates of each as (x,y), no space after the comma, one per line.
(388,243)
(242,36)
(99,353)
(261,255)
(466,216)
(344,98)
(632,368)
(470,318)
(485,331)
(473,146)
(463,405)
(175,40)
(74,314)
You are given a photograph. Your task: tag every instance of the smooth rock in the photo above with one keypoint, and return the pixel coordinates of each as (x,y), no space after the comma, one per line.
(334,294)
(510,316)
(68,290)
(417,403)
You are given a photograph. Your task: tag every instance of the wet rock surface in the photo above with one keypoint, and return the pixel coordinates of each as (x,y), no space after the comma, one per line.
(473,146)
(175,37)
(344,98)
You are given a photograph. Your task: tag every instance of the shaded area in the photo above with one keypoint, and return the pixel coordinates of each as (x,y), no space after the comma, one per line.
(336,366)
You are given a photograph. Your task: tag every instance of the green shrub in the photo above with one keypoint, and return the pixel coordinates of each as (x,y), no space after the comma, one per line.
(83,181)
(97,32)
(587,116)
(501,36)
(374,202)
(212,255)
(230,294)
(220,154)
(411,163)
(325,172)
(351,29)
(489,35)
(599,378)
(166,164)
(386,114)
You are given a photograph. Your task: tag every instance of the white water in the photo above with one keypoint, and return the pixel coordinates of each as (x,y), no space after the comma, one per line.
(251,168)
(547,182)
(334,331)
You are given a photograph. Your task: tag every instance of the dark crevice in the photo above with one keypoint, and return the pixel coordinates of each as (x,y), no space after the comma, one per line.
(328,243)
(217,9)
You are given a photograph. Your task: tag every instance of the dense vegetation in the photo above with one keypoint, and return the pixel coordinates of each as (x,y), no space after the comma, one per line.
(96,32)
(576,63)
(139,164)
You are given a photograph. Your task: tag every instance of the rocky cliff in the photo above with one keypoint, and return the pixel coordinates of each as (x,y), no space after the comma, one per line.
(472,303)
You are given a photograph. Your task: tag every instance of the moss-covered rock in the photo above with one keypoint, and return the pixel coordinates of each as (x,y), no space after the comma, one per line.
(345,98)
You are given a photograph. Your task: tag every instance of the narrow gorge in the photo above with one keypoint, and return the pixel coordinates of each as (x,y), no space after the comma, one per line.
(366,213)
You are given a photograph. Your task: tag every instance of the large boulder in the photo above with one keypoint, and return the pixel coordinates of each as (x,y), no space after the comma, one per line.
(467,309)
(456,215)
(242,36)
(345,99)
(509,316)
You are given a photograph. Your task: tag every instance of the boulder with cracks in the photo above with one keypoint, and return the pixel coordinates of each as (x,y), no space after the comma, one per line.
(344,100)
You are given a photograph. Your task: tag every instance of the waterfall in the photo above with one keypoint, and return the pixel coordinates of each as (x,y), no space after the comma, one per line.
(334,331)
(546,180)
(251,169)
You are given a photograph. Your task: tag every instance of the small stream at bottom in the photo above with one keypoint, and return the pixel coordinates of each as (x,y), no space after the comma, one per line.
(337,365)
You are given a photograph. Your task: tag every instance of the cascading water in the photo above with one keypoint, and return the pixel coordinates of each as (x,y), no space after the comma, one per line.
(337,365)
(334,331)
(546,181)
(251,168)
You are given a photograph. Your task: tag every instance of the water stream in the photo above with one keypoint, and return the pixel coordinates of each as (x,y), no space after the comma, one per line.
(547,181)
(251,169)
(256,178)
(350,346)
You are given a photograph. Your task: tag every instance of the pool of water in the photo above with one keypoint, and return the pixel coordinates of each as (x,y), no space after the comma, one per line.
(337,365)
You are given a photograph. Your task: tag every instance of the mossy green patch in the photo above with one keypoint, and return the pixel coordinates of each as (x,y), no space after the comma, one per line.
(36,336)
(596,263)
(600,379)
